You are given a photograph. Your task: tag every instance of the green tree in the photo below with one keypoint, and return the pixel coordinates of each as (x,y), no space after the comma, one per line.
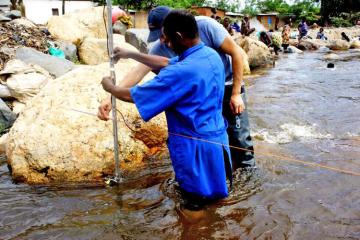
(250,8)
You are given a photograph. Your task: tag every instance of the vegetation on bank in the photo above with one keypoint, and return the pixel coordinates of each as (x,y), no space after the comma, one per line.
(340,13)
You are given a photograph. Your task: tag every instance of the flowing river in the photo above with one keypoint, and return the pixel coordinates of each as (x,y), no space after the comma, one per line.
(300,112)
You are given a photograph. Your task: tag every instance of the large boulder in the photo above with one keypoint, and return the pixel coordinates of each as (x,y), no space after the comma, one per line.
(292,49)
(55,66)
(23,80)
(338,45)
(331,56)
(258,53)
(310,44)
(52,141)
(335,33)
(75,26)
(94,51)
(138,39)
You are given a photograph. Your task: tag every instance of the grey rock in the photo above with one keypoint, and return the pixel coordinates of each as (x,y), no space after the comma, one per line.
(119,28)
(7,117)
(55,66)
(4,19)
(14,14)
(69,49)
(138,39)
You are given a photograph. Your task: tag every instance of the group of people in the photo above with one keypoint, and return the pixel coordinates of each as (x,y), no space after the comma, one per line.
(199,86)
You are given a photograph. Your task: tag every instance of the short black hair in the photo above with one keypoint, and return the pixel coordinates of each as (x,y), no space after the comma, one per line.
(180,21)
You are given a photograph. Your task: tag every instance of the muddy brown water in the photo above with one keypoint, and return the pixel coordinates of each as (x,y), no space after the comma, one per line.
(298,110)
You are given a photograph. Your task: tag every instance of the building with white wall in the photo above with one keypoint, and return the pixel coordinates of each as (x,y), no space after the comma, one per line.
(39,11)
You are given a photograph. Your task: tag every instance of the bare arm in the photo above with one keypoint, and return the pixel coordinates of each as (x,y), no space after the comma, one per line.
(134,76)
(122,93)
(231,48)
(130,79)
(154,62)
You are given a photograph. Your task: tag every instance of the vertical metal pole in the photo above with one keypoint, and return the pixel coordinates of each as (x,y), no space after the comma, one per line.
(113,100)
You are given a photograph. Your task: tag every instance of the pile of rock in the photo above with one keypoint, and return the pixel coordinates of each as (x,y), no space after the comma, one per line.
(20,33)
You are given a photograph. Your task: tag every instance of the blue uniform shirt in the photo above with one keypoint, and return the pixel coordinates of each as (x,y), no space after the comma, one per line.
(212,34)
(190,91)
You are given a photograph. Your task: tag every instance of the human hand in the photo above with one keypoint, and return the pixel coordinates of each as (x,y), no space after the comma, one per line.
(120,53)
(104,109)
(107,84)
(237,105)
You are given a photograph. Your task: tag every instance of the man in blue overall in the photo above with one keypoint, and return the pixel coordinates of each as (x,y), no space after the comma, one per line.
(213,35)
(190,89)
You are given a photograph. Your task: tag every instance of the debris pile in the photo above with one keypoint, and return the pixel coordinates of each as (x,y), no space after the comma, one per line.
(14,35)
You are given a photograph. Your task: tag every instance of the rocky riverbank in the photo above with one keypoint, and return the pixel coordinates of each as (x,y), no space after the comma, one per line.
(52,141)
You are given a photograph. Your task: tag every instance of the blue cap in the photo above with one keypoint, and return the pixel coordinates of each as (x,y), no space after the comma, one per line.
(155,21)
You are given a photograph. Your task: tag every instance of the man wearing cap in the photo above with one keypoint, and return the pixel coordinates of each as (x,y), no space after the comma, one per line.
(192,101)
(213,35)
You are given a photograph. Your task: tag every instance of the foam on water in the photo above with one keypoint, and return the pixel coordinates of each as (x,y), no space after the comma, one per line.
(289,132)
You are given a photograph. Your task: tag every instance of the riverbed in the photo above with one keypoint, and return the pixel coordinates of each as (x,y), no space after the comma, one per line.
(301,113)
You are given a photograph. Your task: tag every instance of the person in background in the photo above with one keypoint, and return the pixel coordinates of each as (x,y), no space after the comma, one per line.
(190,89)
(213,13)
(321,35)
(271,40)
(245,27)
(236,27)
(227,26)
(213,35)
(303,28)
(285,34)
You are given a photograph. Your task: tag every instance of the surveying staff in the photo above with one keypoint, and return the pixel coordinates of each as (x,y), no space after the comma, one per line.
(215,36)
(190,90)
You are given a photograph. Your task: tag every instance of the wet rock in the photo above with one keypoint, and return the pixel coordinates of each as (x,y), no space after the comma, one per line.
(338,45)
(138,39)
(119,28)
(63,145)
(292,49)
(74,27)
(324,49)
(94,51)
(55,66)
(310,44)
(69,49)
(23,80)
(331,56)
(7,117)
(258,53)
(330,65)
(13,14)
(355,44)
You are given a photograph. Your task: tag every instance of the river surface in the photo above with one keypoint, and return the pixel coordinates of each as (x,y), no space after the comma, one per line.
(300,112)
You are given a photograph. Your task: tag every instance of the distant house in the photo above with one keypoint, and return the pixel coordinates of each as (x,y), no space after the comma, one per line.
(40,11)
(206,11)
(268,20)
(5,5)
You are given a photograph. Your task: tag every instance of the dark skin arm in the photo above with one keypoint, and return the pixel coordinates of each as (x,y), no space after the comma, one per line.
(122,93)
